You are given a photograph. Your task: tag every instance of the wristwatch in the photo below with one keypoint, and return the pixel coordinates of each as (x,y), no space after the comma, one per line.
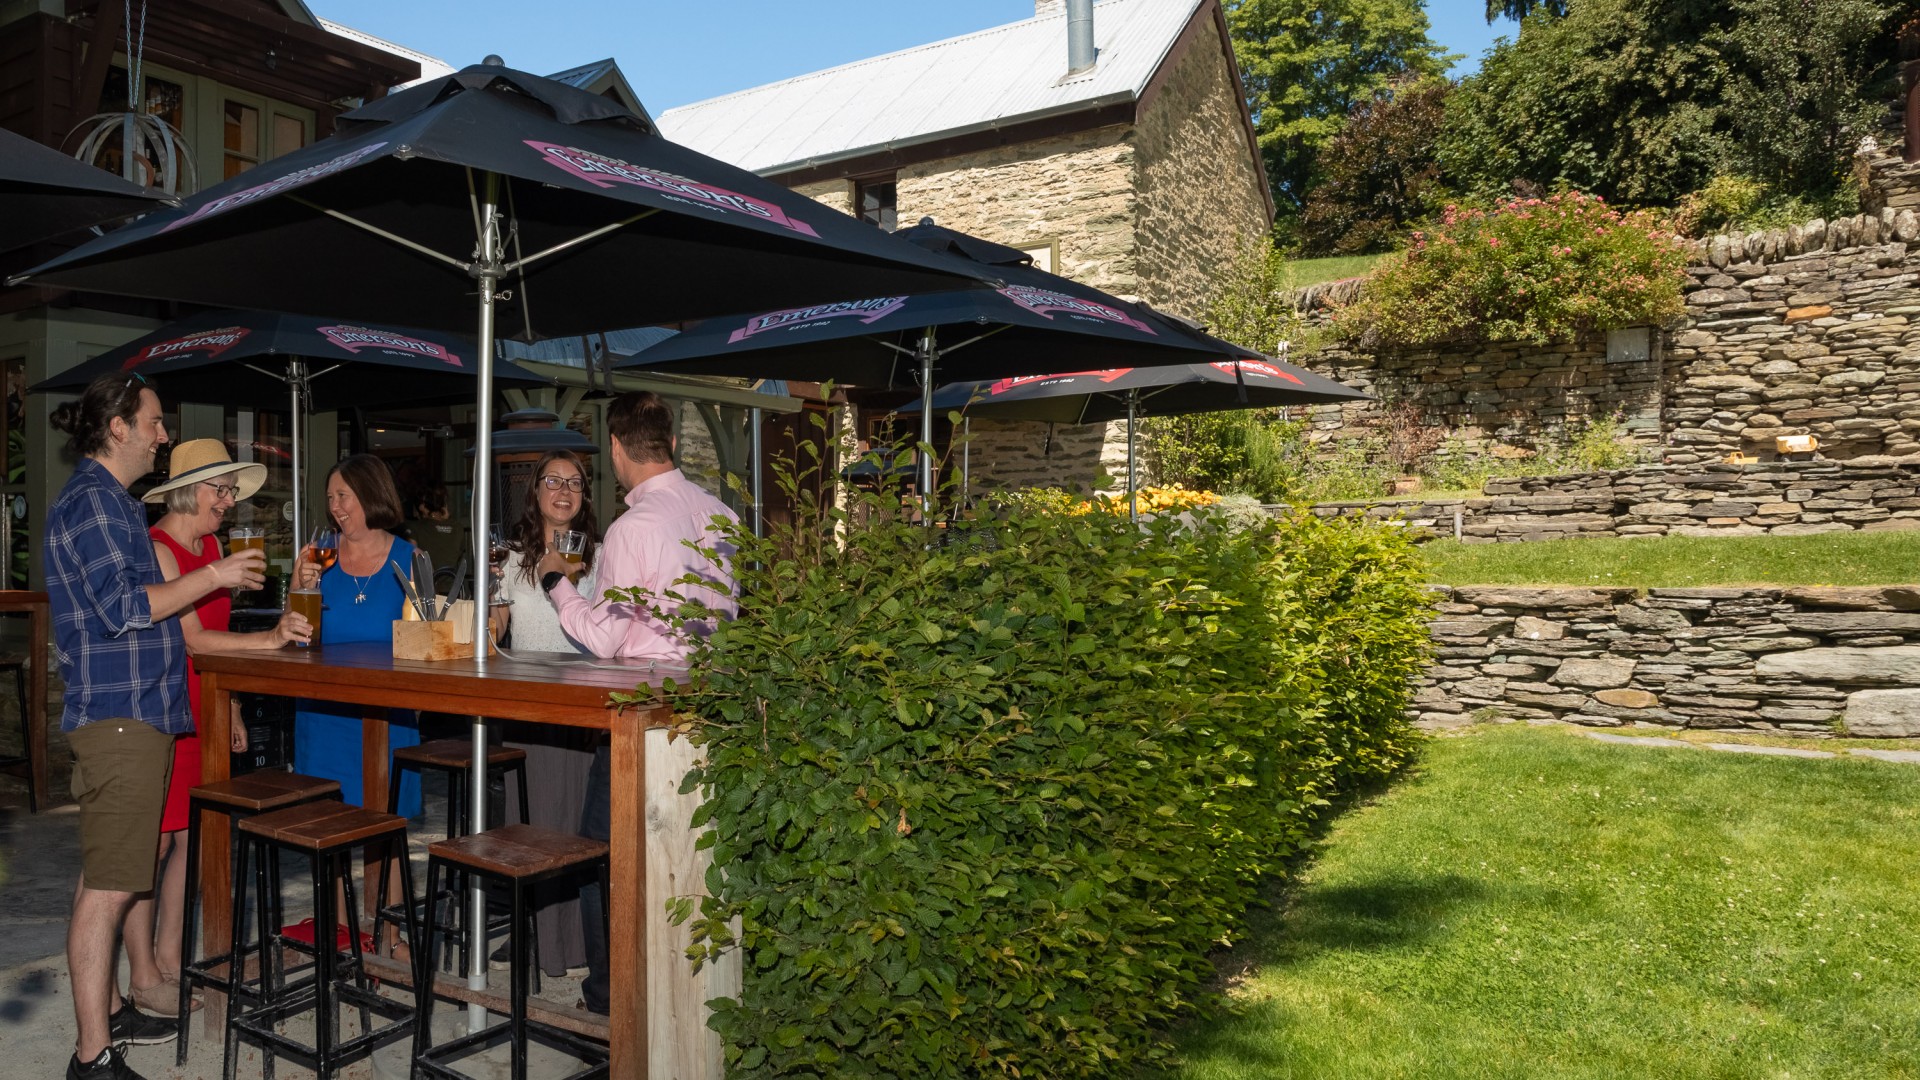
(554,577)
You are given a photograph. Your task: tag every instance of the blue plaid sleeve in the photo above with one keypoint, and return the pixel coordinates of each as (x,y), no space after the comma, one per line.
(105,558)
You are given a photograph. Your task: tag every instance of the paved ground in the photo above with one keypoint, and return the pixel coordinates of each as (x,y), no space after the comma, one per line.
(39,860)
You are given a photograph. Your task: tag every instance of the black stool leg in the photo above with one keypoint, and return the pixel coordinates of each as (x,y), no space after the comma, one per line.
(325,948)
(424,967)
(517,981)
(273,978)
(233,966)
(189,910)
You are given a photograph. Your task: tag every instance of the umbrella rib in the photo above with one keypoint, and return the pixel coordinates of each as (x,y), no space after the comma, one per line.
(975,338)
(381,233)
(578,240)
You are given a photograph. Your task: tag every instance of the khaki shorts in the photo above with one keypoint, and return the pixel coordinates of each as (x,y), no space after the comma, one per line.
(120,772)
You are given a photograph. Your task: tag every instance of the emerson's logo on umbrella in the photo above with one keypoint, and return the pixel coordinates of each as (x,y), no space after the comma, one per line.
(602,171)
(1043,301)
(866,311)
(354,338)
(1257,367)
(1105,375)
(273,187)
(209,342)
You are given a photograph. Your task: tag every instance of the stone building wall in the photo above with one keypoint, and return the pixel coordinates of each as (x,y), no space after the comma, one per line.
(835,193)
(1193,215)
(1781,499)
(1802,660)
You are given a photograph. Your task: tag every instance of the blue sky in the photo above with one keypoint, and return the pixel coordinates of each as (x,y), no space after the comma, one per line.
(677,53)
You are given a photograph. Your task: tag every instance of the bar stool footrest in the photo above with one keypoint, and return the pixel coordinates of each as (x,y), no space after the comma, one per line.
(594,1054)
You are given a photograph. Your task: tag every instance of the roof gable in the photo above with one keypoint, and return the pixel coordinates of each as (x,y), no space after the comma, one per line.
(991,78)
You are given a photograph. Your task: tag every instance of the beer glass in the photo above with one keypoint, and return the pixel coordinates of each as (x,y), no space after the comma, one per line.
(572,546)
(307,603)
(242,537)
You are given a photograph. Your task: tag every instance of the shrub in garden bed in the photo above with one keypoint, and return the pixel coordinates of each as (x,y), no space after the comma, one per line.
(984,799)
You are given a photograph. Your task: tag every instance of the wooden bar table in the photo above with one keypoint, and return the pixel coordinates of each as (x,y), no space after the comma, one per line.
(33,734)
(652,845)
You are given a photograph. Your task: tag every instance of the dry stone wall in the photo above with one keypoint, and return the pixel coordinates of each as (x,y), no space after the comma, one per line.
(1801,660)
(1779,499)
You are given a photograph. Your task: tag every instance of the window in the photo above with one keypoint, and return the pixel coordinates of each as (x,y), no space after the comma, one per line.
(874,201)
(240,138)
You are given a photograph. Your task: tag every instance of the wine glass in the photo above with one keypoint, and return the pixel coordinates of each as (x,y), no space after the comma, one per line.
(499,549)
(323,547)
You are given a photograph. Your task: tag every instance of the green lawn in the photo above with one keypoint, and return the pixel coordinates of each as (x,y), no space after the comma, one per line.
(1534,905)
(1852,558)
(1302,272)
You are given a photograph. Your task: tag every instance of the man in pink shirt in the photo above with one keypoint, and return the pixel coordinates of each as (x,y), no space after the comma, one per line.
(666,534)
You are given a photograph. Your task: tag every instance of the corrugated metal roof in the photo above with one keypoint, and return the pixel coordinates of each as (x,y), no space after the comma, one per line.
(993,77)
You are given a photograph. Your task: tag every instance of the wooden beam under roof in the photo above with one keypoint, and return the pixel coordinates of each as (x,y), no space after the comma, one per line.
(252,47)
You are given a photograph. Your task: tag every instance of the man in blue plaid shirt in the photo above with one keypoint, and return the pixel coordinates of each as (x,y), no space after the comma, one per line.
(123,659)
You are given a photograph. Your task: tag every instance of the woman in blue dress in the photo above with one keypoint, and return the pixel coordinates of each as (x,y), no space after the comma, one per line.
(360,598)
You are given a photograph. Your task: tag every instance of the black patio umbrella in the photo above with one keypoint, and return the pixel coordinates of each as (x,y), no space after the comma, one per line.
(1033,322)
(44,193)
(1088,397)
(510,205)
(250,357)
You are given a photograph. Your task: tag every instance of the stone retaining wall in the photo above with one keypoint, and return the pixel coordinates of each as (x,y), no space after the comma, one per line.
(1802,660)
(1779,498)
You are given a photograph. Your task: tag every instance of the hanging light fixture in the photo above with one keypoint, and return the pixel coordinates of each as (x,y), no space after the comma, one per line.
(153,153)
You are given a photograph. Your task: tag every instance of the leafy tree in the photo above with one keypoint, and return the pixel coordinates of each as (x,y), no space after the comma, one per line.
(1306,63)
(1520,9)
(1619,97)
(1380,173)
(1644,100)
(1806,80)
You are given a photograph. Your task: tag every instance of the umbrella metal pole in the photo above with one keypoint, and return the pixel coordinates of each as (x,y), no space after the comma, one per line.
(296,382)
(487,268)
(753,472)
(925,453)
(1133,491)
(966,460)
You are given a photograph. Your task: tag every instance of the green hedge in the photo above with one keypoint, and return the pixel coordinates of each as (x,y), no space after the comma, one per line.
(985,806)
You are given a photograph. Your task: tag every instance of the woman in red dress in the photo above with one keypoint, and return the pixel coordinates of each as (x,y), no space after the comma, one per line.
(202,485)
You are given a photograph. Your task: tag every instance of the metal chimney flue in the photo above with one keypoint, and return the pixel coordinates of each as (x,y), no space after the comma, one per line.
(1080,51)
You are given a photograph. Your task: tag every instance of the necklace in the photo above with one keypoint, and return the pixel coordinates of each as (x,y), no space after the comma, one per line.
(360,586)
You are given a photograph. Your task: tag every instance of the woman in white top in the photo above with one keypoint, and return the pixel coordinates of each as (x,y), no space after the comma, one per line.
(557,758)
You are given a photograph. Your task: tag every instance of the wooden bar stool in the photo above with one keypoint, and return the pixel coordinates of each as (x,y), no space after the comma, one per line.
(521,856)
(17,664)
(238,798)
(326,833)
(454,757)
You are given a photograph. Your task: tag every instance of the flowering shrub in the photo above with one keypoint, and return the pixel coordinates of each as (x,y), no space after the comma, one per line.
(1153,500)
(1539,270)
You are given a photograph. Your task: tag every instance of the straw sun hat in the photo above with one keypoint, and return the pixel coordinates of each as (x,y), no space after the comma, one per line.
(207,459)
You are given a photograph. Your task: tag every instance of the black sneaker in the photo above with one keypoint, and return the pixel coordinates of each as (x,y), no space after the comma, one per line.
(131,1027)
(108,1066)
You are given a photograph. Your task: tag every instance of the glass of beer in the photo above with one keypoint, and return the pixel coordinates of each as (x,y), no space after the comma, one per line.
(572,546)
(307,603)
(241,537)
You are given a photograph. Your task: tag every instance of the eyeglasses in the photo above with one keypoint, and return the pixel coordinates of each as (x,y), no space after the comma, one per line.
(555,483)
(221,491)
